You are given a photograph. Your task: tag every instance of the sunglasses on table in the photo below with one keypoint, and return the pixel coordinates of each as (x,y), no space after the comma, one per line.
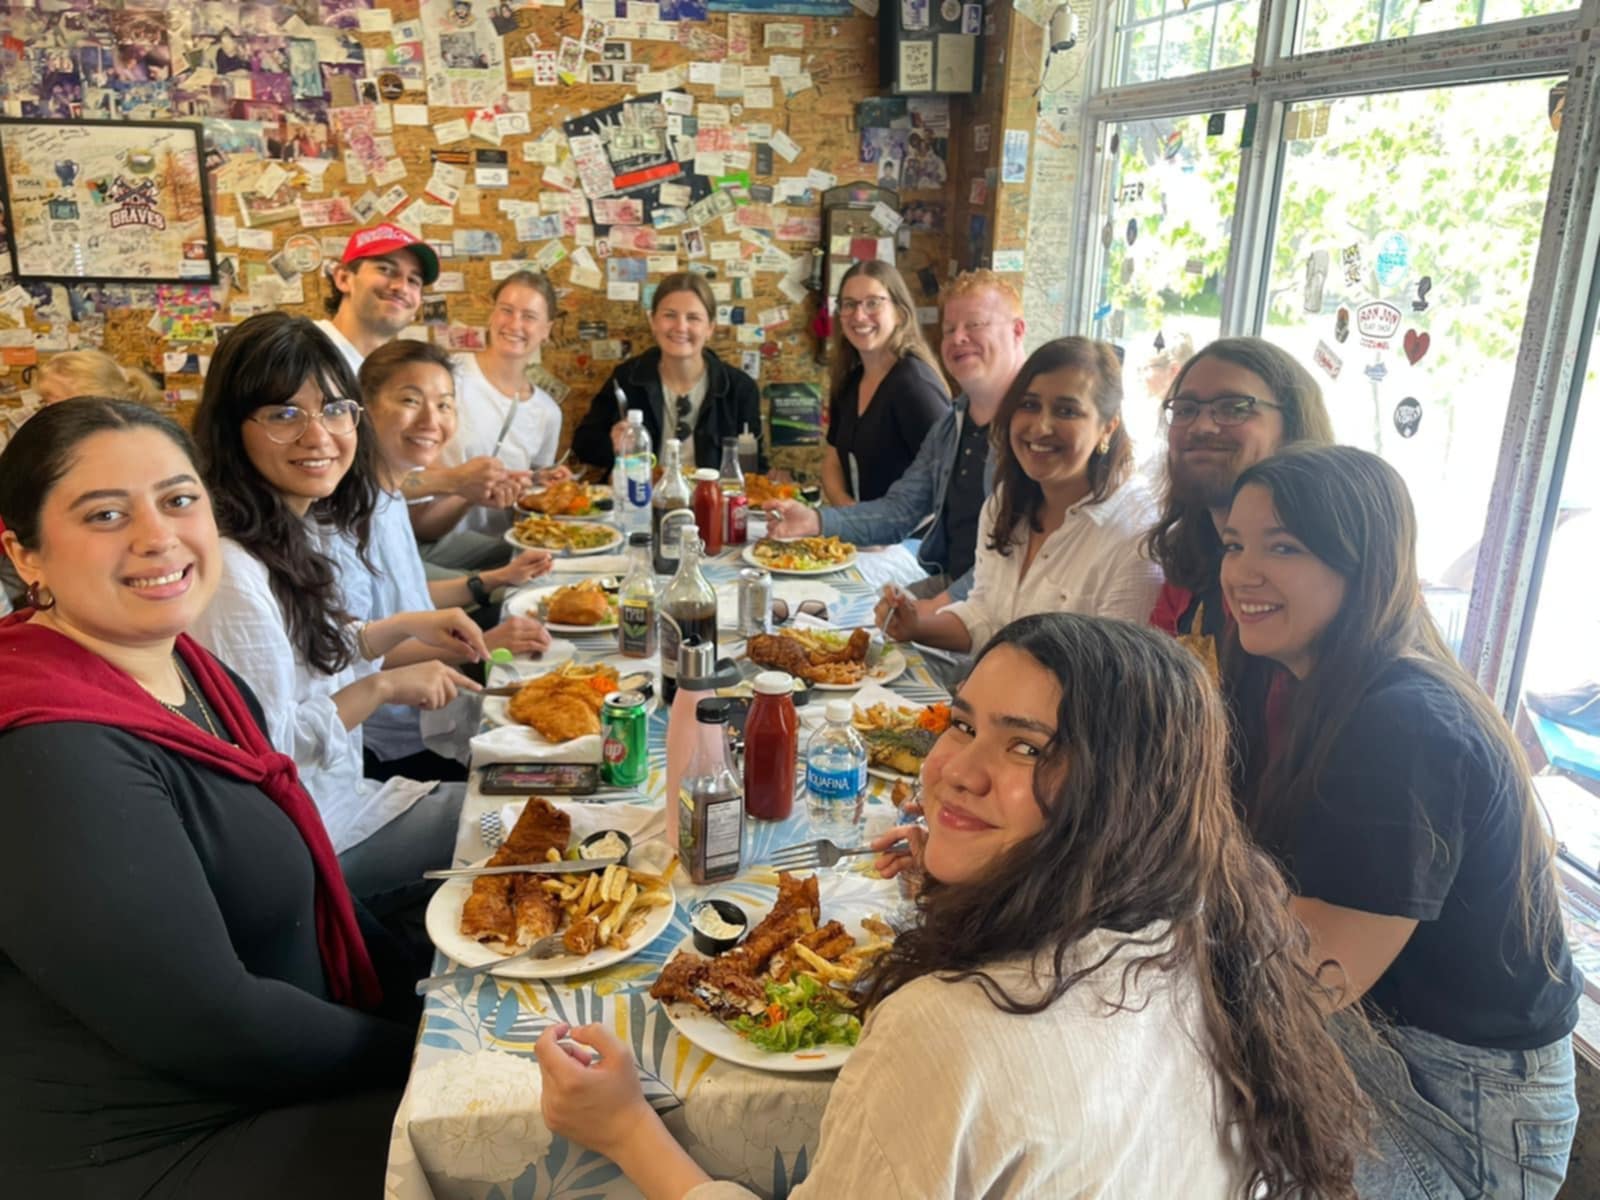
(1225,410)
(810,608)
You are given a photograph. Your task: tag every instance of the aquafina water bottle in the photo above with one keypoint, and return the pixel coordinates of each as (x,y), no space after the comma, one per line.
(634,507)
(836,776)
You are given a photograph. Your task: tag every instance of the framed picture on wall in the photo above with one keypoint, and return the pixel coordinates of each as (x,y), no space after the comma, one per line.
(118,201)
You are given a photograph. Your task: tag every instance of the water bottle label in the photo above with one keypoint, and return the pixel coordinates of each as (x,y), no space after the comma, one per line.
(639,492)
(843,783)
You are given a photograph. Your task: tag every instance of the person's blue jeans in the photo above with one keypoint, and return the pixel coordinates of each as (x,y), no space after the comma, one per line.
(1456,1122)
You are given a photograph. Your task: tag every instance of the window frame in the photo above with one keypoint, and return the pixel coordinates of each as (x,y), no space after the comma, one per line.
(1554,336)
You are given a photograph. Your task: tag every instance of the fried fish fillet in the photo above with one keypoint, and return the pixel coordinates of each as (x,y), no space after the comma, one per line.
(779,653)
(561,705)
(538,912)
(853,651)
(829,942)
(579,604)
(541,826)
(713,984)
(486,914)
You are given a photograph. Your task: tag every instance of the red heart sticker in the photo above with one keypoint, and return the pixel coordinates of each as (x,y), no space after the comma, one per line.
(1416,345)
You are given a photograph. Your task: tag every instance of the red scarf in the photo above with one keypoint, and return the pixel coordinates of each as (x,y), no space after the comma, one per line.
(47,677)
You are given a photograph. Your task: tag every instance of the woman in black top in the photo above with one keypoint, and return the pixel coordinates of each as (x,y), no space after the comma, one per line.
(1402,811)
(190,1001)
(684,389)
(885,388)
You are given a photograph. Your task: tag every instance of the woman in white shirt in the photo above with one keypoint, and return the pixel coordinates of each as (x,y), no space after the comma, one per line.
(410,397)
(1061,531)
(499,413)
(1103,993)
(288,463)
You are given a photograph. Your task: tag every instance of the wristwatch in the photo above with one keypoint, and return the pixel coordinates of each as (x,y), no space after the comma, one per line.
(480,593)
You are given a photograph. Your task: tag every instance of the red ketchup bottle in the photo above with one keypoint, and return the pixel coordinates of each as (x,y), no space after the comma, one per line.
(707,506)
(771,744)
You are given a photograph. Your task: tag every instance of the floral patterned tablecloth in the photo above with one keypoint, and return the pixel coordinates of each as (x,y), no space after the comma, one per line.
(469,1126)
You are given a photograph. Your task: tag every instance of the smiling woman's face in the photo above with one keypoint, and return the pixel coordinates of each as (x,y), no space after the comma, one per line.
(978,781)
(413,415)
(127,541)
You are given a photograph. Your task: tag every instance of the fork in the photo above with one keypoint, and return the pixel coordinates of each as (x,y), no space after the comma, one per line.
(545,947)
(823,853)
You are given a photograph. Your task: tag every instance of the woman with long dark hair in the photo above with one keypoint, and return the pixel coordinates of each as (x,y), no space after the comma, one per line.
(1103,992)
(192,1004)
(1061,531)
(1400,807)
(289,465)
(884,386)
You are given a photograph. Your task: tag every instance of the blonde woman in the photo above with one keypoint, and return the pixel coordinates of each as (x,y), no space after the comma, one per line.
(92,373)
(885,387)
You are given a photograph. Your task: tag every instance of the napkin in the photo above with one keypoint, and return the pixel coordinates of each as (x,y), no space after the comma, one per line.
(517,743)
(591,564)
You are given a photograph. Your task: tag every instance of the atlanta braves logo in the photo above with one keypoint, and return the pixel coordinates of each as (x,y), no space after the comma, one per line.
(136,204)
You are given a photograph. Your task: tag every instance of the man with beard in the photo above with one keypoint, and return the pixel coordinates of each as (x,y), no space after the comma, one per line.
(377,289)
(1236,402)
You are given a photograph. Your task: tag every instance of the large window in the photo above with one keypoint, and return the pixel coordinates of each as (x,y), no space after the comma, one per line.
(1162,223)
(1331,23)
(1387,282)
(1165,39)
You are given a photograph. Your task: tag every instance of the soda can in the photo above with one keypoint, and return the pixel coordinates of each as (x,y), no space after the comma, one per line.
(736,506)
(625,744)
(755,601)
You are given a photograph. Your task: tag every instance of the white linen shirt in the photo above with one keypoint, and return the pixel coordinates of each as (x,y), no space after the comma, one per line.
(245,627)
(344,345)
(394,583)
(1092,565)
(1077,1100)
(530,441)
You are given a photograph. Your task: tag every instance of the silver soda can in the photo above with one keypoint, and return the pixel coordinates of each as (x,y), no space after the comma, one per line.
(755,601)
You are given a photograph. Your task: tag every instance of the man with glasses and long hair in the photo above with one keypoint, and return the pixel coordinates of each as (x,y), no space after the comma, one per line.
(1236,402)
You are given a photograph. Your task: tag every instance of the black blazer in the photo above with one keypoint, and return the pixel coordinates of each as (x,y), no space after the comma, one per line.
(732,403)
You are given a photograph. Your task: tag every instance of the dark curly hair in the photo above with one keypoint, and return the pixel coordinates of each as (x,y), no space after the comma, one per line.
(266,360)
(1140,830)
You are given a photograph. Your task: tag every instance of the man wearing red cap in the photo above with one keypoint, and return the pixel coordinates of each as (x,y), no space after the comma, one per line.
(377,289)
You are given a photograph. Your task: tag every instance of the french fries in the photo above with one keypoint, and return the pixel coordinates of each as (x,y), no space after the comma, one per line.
(618,899)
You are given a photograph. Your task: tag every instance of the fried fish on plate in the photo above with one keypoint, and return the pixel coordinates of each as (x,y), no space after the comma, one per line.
(565,703)
(578,604)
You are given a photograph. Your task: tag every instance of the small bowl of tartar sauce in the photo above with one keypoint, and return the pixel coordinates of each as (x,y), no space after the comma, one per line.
(718,925)
(606,843)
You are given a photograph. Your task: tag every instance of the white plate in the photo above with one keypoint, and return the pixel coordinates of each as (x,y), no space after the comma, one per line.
(749,556)
(890,667)
(525,666)
(842,899)
(444,928)
(891,776)
(529,602)
(616,540)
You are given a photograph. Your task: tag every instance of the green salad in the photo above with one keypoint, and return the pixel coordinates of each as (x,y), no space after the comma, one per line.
(800,1014)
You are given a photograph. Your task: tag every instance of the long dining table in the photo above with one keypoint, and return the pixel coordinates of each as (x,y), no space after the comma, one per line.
(469,1126)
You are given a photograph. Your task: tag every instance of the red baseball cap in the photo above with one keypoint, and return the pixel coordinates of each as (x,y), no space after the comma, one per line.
(383,239)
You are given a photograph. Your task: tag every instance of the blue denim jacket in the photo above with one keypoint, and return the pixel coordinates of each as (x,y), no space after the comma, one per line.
(916,498)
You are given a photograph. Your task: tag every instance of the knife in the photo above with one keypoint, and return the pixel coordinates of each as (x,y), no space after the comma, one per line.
(569,866)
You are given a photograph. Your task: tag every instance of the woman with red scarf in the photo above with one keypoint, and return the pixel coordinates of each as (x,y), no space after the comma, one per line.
(188,1001)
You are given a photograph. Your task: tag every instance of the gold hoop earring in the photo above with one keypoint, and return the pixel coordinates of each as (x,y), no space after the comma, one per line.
(36,594)
(1105,447)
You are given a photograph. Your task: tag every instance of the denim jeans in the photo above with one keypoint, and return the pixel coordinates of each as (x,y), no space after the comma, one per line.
(1457,1122)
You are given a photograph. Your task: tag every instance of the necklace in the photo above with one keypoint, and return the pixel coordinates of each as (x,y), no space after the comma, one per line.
(190,694)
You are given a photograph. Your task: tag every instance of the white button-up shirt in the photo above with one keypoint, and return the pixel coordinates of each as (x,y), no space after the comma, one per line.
(1092,565)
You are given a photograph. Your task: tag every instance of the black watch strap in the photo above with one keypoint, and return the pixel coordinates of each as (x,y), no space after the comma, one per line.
(480,594)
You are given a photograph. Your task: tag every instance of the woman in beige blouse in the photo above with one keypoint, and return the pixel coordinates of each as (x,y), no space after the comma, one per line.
(1103,993)
(1061,531)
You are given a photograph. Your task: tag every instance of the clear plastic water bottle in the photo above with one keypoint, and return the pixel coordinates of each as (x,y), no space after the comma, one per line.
(836,776)
(636,467)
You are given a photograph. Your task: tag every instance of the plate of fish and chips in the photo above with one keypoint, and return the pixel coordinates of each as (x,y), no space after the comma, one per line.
(583,607)
(784,998)
(899,736)
(835,660)
(569,500)
(559,705)
(603,917)
(800,556)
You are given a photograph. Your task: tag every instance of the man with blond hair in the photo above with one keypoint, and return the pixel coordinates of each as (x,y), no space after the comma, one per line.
(942,492)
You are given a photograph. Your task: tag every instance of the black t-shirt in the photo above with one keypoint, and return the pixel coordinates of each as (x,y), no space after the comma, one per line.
(1414,818)
(884,439)
(963,499)
(159,971)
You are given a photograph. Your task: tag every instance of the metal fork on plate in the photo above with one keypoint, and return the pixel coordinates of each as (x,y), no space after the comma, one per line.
(545,947)
(822,853)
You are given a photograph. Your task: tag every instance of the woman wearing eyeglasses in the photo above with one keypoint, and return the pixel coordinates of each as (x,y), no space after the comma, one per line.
(1062,530)
(1236,402)
(683,388)
(500,414)
(885,387)
(289,464)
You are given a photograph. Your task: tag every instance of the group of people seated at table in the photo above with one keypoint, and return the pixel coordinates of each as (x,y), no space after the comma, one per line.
(1232,881)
